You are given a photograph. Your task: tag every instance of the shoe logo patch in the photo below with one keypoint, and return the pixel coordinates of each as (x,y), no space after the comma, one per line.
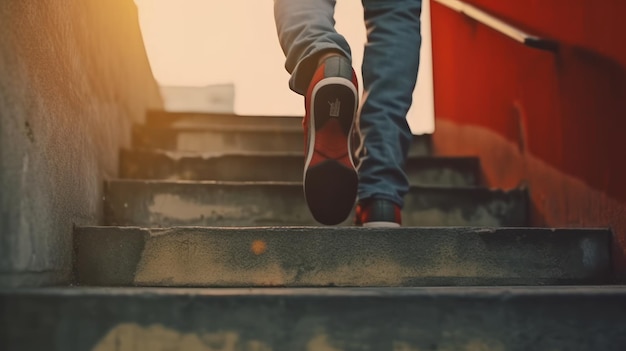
(334,108)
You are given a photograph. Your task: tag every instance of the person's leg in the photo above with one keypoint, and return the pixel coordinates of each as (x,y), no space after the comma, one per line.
(319,60)
(306,31)
(390,68)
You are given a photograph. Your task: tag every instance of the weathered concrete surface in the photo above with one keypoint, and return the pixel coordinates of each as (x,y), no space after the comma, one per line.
(207,203)
(192,120)
(237,137)
(559,199)
(311,256)
(278,166)
(234,139)
(439,319)
(73,78)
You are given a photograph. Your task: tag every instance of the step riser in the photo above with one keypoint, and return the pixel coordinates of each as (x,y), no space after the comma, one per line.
(272,321)
(148,165)
(233,140)
(160,119)
(302,257)
(219,141)
(207,204)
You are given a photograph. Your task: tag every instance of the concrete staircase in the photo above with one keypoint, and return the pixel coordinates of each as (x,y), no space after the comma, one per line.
(209,246)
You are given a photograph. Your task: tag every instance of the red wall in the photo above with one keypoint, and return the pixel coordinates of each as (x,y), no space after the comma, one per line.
(597,25)
(562,116)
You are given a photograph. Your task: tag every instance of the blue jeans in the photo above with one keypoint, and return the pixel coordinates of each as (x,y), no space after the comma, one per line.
(306,29)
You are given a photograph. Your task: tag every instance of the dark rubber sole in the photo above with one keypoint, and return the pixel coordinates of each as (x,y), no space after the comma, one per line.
(330,186)
(330,190)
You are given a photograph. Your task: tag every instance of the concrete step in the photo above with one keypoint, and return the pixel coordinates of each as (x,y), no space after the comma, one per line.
(281,166)
(237,138)
(192,120)
(210,203)
(130,319)
(347,257)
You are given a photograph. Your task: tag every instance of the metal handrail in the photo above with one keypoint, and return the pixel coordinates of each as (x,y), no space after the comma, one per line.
(499,25)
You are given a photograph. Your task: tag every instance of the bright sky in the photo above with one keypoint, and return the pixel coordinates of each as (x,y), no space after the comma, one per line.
(190,42)
(204,42)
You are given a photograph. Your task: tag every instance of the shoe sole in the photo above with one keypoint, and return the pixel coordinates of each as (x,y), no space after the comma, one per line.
(330,186)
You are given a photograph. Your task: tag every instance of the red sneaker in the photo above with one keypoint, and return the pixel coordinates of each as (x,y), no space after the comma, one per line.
(378,213)
(330,177)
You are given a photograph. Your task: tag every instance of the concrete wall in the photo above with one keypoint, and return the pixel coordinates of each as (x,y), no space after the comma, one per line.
(553,121)
(73,77)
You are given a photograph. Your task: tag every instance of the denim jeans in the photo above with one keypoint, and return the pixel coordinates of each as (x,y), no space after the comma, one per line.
(390,64)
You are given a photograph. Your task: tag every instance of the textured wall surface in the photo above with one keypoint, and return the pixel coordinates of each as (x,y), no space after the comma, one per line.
(554,121)
(73,77)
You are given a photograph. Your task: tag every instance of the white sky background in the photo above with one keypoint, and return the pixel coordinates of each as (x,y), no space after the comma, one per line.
(205,42)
